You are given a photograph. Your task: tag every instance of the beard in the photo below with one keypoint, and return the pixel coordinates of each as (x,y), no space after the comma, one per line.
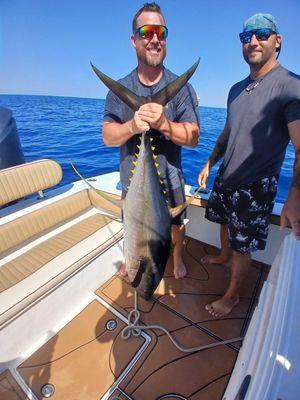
(152,56)
(258,57)
(253,59)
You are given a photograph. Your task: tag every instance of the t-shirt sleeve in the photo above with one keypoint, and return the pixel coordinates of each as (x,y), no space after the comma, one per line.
(113,110)
(229,100)
(187,105)
(292,99)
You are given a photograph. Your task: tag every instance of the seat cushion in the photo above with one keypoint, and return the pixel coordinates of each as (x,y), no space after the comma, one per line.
(19,268)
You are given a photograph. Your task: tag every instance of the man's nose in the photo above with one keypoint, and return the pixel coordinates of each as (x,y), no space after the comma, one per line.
(254,40)
(154,38)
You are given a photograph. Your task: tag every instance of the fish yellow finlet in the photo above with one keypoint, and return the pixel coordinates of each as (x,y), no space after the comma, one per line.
(152,148)
(156,164)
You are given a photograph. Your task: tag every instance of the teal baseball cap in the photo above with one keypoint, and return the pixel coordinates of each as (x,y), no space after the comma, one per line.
(260,21)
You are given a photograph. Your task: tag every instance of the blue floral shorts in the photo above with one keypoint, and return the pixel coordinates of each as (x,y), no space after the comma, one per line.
(245,210)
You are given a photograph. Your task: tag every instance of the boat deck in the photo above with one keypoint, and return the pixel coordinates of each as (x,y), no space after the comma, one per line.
(89,360)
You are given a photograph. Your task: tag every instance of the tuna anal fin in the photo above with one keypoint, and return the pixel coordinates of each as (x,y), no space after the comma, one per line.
(175,211)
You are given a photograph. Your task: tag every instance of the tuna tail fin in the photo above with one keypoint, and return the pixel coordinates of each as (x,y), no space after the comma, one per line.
(174,212)
(167,93)
(103,200)
(126,95)
(162,97)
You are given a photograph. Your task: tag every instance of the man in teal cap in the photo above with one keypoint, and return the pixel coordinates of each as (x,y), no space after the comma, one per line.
(263,115)
(261,21)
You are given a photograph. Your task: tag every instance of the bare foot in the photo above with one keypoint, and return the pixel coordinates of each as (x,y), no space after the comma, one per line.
(179,269)
(222,307)
(122,270)
(215,260)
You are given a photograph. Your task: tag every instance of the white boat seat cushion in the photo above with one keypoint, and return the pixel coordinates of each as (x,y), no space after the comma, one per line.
(21,267)
(25,179)
(38,222)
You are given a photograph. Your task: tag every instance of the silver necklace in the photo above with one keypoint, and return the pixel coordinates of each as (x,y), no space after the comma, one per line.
(249,89)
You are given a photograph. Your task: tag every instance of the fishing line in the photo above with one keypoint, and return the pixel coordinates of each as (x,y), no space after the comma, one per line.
(133,329)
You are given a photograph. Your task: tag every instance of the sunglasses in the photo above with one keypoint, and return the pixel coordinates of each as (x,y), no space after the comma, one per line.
(260,34)
(148,31)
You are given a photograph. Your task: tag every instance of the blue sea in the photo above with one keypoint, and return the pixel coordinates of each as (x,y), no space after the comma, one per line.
(68,129)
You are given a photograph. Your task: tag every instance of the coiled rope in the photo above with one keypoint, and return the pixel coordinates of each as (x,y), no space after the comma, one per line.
(133,329)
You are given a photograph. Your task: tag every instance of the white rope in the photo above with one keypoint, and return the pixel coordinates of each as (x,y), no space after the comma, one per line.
(133,329)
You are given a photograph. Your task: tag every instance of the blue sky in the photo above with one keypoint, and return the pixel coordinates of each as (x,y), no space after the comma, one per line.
(46,45)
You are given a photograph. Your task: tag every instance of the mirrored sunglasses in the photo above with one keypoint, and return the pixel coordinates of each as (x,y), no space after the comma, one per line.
(260,34)
(148,31)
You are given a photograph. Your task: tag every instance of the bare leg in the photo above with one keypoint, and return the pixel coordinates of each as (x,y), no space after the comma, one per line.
(226,253)
(122,270)
(178,233)
(240,266)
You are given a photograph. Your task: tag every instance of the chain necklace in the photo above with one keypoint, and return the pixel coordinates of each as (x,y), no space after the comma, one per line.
(249,89)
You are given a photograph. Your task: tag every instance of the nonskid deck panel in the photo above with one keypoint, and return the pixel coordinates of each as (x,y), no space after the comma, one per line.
(85,359)
(9,388)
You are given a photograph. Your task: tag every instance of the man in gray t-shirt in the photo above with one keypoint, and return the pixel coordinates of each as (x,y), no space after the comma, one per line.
(263,115)
(173,126)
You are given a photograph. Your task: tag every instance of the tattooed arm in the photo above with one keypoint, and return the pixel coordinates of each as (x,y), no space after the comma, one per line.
(291,211)
(217,153)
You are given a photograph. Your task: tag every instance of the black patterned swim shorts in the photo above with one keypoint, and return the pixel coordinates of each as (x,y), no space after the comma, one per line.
(245,210)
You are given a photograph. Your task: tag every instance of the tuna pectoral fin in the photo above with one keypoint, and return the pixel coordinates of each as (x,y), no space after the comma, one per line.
(103,200)
(175,211)
(139,274)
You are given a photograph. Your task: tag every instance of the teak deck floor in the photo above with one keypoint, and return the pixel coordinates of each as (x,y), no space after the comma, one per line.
(87,361)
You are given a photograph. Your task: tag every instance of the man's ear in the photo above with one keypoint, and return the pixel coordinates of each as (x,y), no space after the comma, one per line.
(278,42)
(132,39)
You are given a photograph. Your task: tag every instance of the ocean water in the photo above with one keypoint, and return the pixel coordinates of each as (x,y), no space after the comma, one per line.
(68,129)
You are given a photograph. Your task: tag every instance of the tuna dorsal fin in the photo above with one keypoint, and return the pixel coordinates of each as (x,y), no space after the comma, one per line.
(162,97)
(179,209)
(167,93)
(113,205)
(131,99)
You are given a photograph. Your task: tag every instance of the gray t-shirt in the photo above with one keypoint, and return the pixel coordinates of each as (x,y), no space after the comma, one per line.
(182,108)
(257,121)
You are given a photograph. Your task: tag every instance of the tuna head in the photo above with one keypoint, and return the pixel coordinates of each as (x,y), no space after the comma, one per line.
(150,270)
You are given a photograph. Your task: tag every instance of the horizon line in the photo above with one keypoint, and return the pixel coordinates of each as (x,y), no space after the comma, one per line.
(76,97)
